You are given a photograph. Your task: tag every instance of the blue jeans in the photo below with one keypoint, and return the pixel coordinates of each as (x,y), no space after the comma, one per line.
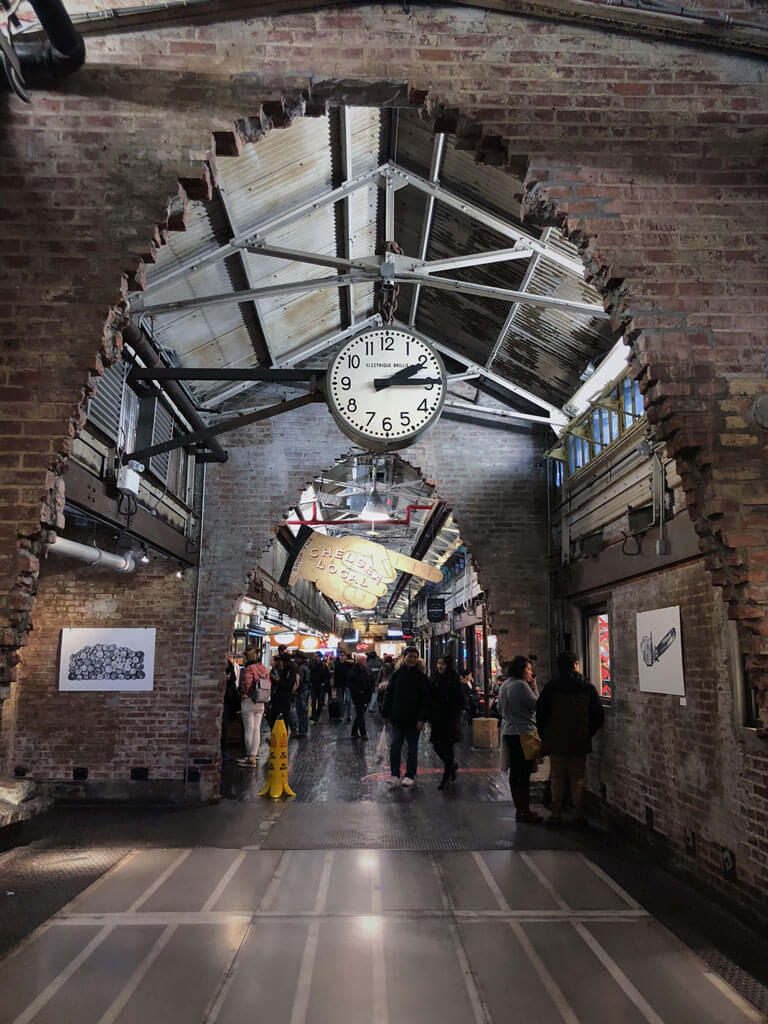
(344,698)
(411,737)
(301,711)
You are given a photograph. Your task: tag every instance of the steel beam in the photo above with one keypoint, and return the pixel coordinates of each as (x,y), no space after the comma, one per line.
(228,298)
(477,259)
(250,235)
(503,294)
(257,373)
(319,259)
(503,227)
(498,413)
(203,436)
(529,271)
(246,269)
(557,417)
(438,149)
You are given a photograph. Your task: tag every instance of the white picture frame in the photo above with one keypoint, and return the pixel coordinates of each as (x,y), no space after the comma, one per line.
(660,651)
(107,660)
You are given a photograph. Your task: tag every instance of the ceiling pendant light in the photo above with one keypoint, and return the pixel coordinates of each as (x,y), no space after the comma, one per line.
(375,509)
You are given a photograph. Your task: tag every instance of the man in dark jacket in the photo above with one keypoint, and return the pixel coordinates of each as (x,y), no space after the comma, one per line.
(319,681)
(361,688)
(568,714)
(406,705)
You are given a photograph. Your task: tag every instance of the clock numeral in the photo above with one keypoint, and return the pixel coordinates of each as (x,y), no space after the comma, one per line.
(405,419)
(369,348)
(387,344)
(351,405)
(346,383)
(428,387)
(386,424)
(407,346)
(422,406)
(371,417)
(353,362)
(423,358)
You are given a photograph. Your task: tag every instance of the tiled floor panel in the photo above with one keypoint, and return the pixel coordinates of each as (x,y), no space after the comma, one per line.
(370,936)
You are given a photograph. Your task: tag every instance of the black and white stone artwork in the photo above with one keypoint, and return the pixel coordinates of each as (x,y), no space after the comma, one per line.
(107,659)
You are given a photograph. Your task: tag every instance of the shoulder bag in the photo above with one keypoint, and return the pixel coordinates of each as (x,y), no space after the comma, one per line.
(531,745)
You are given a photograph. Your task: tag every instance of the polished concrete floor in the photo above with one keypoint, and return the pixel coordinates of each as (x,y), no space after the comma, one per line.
(352,903)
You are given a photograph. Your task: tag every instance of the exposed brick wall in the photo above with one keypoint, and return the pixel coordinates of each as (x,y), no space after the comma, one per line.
(48,733)
(494,482)
(694,766)
(653,153)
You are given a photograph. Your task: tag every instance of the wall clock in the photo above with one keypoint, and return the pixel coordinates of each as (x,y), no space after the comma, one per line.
(385,388)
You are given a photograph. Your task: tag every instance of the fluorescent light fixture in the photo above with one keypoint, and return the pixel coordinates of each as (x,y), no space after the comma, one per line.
(609,369)
(375,509)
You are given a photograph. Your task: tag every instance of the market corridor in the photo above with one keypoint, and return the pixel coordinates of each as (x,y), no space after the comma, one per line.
(351,903)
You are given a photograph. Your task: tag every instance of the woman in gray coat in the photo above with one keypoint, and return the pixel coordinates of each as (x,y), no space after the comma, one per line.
(517,707)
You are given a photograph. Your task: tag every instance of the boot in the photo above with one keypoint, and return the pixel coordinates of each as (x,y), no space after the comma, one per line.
(522,806)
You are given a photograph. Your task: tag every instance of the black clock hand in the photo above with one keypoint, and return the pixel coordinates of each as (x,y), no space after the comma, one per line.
(411,382)
(407,371)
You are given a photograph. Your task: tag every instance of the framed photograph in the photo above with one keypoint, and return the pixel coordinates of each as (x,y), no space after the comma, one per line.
(108,660)
(660,651)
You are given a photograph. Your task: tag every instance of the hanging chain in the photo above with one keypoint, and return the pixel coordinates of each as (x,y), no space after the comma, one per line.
(388,290)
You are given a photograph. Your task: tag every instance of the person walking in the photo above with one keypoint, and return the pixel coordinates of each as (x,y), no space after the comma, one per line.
(568,715)
(301,697)
(373,667)
(517,707)
(254,685)
(446,702)
(406,707)
(360,688)
(319,680)
(341,672)
(285,682)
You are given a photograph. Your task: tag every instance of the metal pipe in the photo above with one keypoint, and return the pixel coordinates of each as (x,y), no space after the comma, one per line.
(92,555)
(193,666)
(60,54)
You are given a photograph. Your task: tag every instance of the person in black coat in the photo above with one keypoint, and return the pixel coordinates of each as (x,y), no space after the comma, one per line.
(361,688)
(446,702)
(406,706)
(285,682)
(568,714)
(319,682)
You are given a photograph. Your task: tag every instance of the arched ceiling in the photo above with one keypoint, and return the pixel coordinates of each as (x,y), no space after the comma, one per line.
(281,265)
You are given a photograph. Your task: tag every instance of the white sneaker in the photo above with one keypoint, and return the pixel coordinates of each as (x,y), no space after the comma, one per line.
(408,781)
(393,780)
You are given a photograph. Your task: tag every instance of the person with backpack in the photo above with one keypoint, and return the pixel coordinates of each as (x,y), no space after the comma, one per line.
(568,714)
(319,682)
(254,689)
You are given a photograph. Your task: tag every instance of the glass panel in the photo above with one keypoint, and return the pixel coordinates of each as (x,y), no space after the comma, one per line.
(639,409)
(627,402)
(598,667)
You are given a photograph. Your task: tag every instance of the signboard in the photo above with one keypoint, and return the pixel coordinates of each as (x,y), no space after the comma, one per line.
(393,633)
(108,660)
(435,609)
(350,570)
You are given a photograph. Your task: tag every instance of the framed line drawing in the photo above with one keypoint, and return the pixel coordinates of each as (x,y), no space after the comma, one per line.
(660,651)
(107,660)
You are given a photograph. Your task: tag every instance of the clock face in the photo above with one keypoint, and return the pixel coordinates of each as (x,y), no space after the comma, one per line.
(385,388)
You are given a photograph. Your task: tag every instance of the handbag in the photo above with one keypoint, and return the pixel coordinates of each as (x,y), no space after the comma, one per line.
(531,745)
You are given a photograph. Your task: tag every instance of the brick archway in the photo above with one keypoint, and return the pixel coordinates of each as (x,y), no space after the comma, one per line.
(672,235)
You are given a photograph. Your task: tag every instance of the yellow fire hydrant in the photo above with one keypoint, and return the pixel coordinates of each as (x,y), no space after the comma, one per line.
(277,771)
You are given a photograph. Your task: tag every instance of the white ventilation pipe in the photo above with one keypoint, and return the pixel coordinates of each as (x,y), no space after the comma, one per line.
(92,555)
